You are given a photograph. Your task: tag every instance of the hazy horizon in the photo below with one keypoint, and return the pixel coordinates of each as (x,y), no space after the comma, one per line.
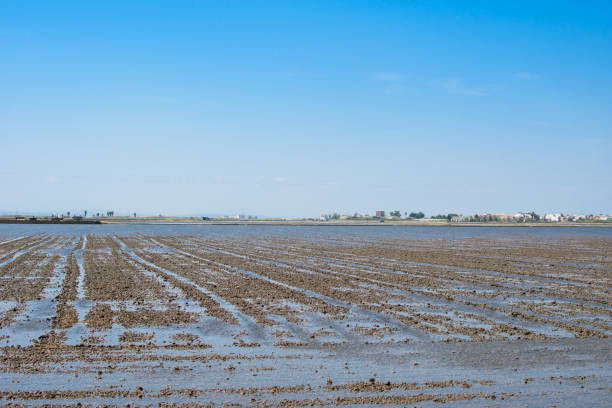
(258,216)
(298,109)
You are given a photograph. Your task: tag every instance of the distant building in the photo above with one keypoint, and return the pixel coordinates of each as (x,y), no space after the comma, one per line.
(380,214)
(457,218)
(492,217)
(521,216)
(553,217)
(499,217)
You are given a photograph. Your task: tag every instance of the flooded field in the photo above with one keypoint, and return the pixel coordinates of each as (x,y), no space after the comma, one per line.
(297,316)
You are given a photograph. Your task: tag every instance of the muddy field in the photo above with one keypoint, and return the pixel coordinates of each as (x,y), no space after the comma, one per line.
(295,320)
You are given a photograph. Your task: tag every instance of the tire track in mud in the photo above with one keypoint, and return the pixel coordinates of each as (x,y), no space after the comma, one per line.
(509,315)
(37,316)
(376,262)
(93,315)
(11,246)
(78,255)
(27,273)
(531,316)
(425,328)
(286,322)
(52,308)
(466,284)
(66,315)
(389,319)
(14,239)
(388,263)
(45,239)
(30,317)
(455,264)
(561,290)
(113,277)
(510,310)
(72,307)
(350,307)
(123,293)
(219,307)
(307,268)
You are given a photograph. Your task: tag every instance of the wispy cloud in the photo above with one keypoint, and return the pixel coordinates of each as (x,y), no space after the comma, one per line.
(387,77)
(279,179)
(458,86)
(526,75)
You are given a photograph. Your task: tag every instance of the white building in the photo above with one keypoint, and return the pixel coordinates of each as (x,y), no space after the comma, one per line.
(521,216)
(553,217)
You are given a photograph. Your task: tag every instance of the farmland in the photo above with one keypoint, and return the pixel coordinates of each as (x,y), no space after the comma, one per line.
(114,318)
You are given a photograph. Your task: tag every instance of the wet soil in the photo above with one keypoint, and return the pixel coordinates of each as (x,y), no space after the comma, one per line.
(104,319)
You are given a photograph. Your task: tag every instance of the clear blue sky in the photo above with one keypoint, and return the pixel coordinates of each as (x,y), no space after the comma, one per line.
(301,108)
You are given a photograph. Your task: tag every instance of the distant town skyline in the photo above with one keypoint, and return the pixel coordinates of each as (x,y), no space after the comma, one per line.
(518,216)
(300,109)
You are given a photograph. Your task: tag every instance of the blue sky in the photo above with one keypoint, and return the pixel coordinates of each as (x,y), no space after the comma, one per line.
(302,108)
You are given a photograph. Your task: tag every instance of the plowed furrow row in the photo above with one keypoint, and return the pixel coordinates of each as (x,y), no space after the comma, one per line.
(224,257)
